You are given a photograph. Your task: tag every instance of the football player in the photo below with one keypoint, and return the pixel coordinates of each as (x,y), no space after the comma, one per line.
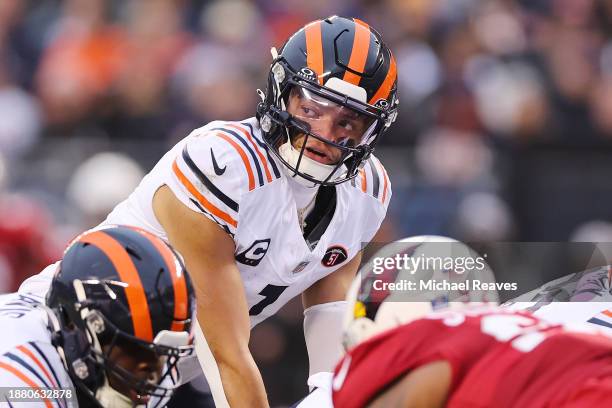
(369,302)
(459,354)
(278,205)
(110,332)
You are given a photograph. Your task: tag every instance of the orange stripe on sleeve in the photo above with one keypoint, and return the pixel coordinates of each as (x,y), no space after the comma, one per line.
(243,156)
(314,49)
(384,196)
(181,302)
(364,182)
(27,352)
(385,88)
(134,292)
(385,177)
(201,199)
(359,53)
(259,154)
(607,313)
(23,378)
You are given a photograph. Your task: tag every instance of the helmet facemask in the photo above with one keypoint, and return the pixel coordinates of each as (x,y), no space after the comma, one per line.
(162,361)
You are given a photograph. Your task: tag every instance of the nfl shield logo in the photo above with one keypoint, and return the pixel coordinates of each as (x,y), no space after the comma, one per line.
(300,267)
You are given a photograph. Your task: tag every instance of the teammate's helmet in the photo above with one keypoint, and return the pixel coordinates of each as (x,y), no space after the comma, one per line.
(375,306)
(121,289)
(337,64)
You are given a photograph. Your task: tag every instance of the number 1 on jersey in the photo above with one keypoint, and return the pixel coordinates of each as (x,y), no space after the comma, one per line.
(270,293)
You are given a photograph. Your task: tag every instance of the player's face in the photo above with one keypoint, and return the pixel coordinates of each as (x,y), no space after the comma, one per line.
(143,364)
(330,121)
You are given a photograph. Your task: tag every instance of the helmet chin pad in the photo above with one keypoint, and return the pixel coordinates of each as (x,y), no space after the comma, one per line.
(308,166)
(110,397)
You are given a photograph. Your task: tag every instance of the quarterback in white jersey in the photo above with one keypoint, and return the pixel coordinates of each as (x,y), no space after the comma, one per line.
(278,205)
(111,331)
(276,257)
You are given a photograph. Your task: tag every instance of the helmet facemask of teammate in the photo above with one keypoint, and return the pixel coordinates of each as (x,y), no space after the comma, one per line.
(322,119)
(119,352)
(374,308)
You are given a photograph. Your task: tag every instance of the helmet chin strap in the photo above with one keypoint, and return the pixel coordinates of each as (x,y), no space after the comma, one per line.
(314,169)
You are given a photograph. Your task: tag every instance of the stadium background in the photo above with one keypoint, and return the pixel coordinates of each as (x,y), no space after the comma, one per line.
(504,132)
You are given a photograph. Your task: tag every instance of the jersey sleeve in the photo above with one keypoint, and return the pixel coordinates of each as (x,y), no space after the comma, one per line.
(374,181)
(210,174)
(31,366)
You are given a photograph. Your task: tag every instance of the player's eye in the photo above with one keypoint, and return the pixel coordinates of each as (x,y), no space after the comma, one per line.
(308,112)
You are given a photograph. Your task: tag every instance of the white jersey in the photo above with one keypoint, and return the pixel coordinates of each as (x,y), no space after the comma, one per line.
(321,394)
(27,357)
(224,171)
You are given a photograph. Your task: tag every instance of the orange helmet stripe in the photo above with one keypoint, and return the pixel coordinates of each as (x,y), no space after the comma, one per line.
(385,88)
(134,292)
(179,285)
(314,48)
(359,53)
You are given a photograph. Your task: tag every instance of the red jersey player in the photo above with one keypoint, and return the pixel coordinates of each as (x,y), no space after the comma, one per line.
(462,354)
(484,357)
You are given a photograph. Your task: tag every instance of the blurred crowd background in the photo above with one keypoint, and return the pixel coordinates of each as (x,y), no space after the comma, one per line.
(504,133)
